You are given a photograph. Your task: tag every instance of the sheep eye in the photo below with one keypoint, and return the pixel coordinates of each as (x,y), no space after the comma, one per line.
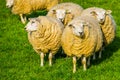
(32,22)
(73,26)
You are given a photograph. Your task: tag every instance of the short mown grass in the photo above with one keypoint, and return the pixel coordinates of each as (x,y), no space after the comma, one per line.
(18,60)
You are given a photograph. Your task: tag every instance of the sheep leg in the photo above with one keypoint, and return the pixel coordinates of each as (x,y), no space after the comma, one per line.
(25,18)
(42,58)
(100,53)
(84,63)
(94,56)
(22,19)
(62,52)
(88,62)
(50,59)
(74,64)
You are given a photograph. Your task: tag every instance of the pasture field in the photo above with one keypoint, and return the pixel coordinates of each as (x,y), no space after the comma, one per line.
(18,60)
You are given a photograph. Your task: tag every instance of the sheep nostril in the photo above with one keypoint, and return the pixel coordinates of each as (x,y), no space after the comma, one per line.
(80,33)
(101,19)
(61,19)
(25,28)
(8,6)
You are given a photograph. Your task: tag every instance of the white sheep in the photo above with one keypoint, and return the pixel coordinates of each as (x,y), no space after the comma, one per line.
(23,7)
(106,21)
(98,32)
(44,33)
(80,39)
(65,12)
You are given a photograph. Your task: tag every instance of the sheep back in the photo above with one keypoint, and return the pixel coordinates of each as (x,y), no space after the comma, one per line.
(88,11)
(26,6)
(48,36)
(74,8)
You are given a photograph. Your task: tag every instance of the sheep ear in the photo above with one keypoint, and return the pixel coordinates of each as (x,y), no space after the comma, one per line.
(29,19)
(108,12)
(93,13)
(54,11)
(38,20)
(68,11)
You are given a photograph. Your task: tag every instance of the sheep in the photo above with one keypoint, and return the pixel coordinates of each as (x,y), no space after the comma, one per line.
(44,34)
(99,35)
(65,12)
(23,7)
(80,39)
(106,21)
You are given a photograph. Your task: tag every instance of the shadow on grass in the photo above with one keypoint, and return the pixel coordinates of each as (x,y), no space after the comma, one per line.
(106,54)
(37,13)
(108,51)
(60,54)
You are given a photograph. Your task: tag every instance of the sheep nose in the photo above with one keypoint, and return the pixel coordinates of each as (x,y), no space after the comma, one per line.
(9,6)
(61,19)
(81,33)
(101,19)
(25,28)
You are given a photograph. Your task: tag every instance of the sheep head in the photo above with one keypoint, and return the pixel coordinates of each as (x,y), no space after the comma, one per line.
(78,28)
(32,25)
(100,15)
(60,14)
(9,3)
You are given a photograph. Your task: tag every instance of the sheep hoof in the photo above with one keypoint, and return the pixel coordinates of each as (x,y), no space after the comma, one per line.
(94,57)
(23,22)
(84,70)
(50,65)
(41,65)
(74,71)
(100,57)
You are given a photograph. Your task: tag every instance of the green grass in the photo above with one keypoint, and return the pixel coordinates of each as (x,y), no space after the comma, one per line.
(18,60)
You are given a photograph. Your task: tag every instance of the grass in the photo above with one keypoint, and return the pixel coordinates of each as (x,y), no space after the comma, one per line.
(18,60)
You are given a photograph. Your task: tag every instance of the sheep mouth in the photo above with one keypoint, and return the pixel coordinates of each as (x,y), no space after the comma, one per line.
(80,35)
(101,22)
(62,20)
(9,6)
(29,30)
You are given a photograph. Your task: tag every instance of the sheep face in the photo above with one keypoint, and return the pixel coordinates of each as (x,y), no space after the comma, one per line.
(9,3)
(32,25)
(60,14)
(78,28)
(100,15)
